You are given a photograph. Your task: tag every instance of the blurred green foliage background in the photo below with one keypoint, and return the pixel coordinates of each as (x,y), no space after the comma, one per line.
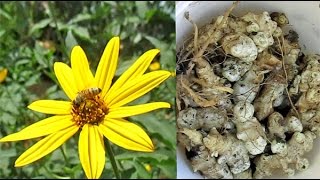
(34,35)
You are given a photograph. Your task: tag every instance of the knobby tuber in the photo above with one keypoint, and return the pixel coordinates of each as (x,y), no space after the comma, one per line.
(248,99)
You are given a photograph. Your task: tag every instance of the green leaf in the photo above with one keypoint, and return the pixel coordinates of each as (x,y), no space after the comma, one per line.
(141,170)
(32,80)
(40,58)
(157,43)
(123,66)
(70,41)
(123,35)
(81,32)
(2,31)
(10,107)
(5,14)
(112,3)
(171,85)
(52,89)
(142,8)
(114,28)
(134,19)
(79,18)
(164,128)
(6,153)
(150,14)
(41,24)
(159,155)
(137,38)
(61,25)
(169,168)
(166,51)
(134,175)
(142,100)
(39,177)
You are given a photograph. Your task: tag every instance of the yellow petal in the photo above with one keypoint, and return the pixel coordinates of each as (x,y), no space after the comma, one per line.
(108,65)
(81,70)
(136,88)
(45,146)
(3,75)
(121,112)
(44,127)
(51,106)
(91,151)
(126,134)
(135,71)
(66,79)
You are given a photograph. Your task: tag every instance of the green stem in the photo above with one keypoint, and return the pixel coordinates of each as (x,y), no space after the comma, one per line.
(63,46)
(53,175)
(112,160)
(64,156)
(120,165)
(47,170)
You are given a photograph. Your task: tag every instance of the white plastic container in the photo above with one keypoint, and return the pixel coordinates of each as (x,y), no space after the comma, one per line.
(304,17)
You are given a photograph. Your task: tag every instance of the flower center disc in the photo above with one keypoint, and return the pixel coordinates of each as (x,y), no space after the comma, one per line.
(88,107)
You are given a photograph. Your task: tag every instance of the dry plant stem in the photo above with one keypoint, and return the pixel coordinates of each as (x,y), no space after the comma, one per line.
(187,54)
(220,88)
(198,99)
(212,38)
(283,53)
(223,88)
(190,67)
(195,42)
(200,62)
(178,102)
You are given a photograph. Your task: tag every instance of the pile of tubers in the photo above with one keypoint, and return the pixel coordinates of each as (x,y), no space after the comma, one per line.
(248,99)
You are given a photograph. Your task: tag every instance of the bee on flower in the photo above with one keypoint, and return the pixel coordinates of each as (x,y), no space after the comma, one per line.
(96,108)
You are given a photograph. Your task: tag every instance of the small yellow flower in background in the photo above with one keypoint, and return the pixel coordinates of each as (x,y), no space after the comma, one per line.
(96,109)
(148,167)
(154,66)
(3,75)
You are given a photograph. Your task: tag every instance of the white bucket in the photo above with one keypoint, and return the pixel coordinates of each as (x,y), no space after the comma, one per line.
(304,17)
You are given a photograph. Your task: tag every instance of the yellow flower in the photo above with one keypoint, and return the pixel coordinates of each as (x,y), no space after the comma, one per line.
(96,109)
(154,66)
(3,75)
(148,167)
